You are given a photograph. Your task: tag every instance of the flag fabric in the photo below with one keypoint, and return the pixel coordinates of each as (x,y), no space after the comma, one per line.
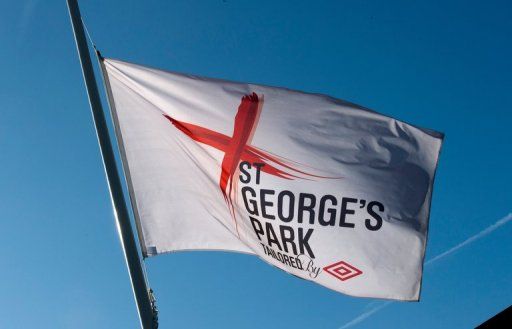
(321,188)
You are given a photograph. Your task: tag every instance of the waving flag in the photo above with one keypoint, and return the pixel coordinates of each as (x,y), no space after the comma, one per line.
(320,188)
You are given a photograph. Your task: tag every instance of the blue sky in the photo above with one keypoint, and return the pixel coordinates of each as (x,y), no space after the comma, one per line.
(438,64)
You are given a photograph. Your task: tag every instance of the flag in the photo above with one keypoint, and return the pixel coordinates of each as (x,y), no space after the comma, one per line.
(321,188)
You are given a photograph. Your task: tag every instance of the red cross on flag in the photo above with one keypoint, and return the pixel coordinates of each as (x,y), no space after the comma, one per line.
(321,188)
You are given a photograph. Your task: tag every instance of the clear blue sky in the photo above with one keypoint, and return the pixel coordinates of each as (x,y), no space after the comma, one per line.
(445,65)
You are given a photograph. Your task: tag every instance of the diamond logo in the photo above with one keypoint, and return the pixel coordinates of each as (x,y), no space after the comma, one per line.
(342,270)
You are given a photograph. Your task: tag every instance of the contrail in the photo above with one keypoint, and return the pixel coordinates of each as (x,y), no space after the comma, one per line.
(363,316)
(472,239)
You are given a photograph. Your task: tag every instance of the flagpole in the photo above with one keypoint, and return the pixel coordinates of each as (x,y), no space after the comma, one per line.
(143,296)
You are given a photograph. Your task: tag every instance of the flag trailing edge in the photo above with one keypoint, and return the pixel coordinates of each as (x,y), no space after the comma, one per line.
(318,187)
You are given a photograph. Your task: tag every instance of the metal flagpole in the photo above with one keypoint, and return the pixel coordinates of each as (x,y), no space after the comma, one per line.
(143,296)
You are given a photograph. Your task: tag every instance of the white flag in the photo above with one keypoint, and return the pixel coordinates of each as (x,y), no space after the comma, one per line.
(318,187)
